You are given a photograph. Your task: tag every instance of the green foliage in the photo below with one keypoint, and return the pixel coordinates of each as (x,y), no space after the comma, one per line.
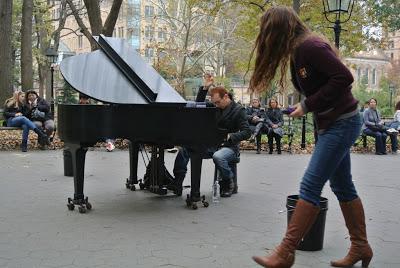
(386,12)
(67,94)
(382,95)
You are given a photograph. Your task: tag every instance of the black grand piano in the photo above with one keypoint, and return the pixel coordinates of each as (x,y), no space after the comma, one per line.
(141,107)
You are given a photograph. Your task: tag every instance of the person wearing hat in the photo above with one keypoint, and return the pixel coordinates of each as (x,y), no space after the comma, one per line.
(39,112)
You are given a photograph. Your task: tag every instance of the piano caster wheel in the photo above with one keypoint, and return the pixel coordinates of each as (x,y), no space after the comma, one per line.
(130,186)
(87,204)
(141,185)
(193,204)
(70,204)
(162,191)
(204,202)
(82,209)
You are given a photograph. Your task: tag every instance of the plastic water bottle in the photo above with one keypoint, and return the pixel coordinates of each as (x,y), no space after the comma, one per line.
(215,192)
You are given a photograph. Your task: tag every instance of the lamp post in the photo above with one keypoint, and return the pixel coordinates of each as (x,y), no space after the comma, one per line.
(52,56)
(337,12)
(391,90)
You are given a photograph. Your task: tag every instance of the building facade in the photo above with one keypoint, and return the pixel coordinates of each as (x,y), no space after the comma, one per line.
(368,67)
(393,46)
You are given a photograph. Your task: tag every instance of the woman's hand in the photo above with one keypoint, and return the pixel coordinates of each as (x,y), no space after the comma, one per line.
(298,112)
(18,114)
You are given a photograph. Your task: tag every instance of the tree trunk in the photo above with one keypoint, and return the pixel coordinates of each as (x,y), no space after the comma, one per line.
(94,15)
(296,6)
(26,45)
(5,50)
(112,18)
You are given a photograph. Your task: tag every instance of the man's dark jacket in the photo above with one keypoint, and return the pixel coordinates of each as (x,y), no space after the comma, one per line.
(233,118)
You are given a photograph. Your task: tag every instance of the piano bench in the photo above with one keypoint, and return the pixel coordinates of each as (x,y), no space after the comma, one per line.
(233,165)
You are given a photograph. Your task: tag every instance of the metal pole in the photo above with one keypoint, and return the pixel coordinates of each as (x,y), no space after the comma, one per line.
(337,29)
(391,96)
(303,133)
(52,88)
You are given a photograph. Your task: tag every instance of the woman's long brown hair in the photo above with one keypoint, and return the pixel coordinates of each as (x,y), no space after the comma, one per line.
(281,30)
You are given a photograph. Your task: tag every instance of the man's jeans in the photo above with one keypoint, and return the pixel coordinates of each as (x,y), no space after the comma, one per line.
(25,123)
(331,161)
(221,158)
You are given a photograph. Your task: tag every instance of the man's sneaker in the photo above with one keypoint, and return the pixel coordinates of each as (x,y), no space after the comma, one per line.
(110,146)
(392,130)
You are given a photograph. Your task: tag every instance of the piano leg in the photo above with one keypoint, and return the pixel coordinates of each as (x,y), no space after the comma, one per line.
(78,155)
(196,161)
(133,166)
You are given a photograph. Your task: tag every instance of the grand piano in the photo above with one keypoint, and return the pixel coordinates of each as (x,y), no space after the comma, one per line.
(140,107)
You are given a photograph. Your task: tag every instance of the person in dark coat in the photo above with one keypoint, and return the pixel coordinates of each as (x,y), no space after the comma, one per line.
(318,73)
(274,120)
(14,113)
(38,111)
(256,117)
(230,116)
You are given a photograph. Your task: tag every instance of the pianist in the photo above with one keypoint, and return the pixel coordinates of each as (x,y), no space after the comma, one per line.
(230,116)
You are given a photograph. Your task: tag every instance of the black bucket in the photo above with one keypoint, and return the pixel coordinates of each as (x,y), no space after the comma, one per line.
(68,171)
(314,239)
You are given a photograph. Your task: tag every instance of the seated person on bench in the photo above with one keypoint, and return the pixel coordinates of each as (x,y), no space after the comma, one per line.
(230,116)
(39,112)
(274,120)
(373,126)
(256,117)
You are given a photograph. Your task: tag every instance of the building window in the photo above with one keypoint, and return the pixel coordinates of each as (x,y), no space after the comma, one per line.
(80,41)
(161,13)
(391,44)
(149,11)
(121,32)
(161,34)
(374,76)
(391,56)
(366,75)
(148,53)
(149,32)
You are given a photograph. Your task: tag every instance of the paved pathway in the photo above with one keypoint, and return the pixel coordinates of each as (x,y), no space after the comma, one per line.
(139,229)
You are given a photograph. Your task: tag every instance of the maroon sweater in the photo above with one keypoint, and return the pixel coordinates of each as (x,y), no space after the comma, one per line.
(318,73)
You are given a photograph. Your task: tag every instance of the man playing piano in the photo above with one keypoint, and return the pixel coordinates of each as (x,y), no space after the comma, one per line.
(230,116)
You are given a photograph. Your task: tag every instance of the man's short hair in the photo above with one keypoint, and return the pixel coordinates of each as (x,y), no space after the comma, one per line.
(221,91)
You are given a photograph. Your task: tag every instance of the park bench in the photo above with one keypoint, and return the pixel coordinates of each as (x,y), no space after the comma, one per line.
(364,138)
(3,125)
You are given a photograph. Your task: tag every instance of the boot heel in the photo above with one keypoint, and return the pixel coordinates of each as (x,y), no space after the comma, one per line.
(365,262)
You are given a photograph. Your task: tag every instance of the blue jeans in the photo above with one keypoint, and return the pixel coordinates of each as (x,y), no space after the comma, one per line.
(221,158)
(21,121)
(331,161)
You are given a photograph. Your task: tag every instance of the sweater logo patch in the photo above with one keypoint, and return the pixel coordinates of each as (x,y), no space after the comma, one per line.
(303,72)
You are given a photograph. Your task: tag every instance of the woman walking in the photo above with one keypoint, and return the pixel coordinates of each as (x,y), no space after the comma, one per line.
(317,72)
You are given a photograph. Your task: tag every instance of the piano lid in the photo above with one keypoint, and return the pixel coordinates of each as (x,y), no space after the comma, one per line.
(116,73)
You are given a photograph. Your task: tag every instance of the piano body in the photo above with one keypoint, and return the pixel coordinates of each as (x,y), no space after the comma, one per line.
(141,107)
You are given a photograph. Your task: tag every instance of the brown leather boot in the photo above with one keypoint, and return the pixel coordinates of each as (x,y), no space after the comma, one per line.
(302,219)
(360,250)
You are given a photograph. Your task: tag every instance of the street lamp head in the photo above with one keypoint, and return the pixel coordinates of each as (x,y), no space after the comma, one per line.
(335,6)
(338,8)
(51,55)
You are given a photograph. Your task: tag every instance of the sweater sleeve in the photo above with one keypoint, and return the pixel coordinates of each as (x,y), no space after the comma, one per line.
(339,78)
(201,94)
